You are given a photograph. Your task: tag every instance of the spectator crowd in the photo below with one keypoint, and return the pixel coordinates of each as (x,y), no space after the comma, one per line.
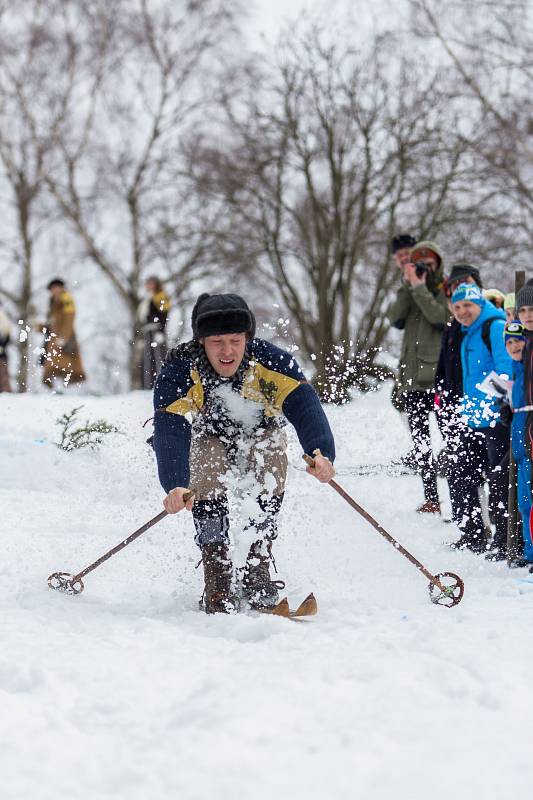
(467,355)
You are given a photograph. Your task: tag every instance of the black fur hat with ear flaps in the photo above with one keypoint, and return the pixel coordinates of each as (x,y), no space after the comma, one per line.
(218,314)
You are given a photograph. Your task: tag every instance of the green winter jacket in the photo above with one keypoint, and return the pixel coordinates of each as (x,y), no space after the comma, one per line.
(421,312)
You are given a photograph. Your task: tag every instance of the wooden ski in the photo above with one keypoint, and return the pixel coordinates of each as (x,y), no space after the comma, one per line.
(307,608)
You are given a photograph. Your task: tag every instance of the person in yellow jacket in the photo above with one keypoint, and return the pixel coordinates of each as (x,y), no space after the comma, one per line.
(61,357)
(152,343)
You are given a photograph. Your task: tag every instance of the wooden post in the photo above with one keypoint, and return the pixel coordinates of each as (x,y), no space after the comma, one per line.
(515,540)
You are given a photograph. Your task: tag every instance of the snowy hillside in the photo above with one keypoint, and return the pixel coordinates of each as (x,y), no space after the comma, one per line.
(127,691)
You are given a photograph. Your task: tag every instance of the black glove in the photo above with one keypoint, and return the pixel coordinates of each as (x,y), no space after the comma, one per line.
(506,414)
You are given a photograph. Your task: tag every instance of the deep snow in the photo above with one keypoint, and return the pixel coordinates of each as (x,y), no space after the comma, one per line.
(127,691)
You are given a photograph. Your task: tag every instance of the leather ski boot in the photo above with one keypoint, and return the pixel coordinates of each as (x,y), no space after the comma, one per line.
(218,573)
(429,507)
(258,588)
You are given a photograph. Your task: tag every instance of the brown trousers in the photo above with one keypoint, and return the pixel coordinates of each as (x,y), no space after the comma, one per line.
(264,456)
(258,467)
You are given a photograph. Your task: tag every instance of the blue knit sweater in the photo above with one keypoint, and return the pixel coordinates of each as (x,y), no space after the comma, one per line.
(274,382)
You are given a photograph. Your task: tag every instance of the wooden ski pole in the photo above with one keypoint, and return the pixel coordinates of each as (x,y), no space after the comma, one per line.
(73,584)
(448,592)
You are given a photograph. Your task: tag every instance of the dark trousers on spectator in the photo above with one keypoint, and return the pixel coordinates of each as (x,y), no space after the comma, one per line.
(418,407)
(467,466)
(497,444)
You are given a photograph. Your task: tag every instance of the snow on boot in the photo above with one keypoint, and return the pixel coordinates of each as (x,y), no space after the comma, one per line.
(429,507)
(258,588)
(218,574)
(407,462)
(474,543)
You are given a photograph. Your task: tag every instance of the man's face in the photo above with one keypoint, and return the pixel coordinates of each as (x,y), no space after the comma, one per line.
(454,284)
(225,352)
(515,348)
(510,314)
(150,287)
(525,315)
(401,257)
(466,313)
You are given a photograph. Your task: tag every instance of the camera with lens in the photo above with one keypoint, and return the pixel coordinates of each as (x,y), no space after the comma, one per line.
(421,267)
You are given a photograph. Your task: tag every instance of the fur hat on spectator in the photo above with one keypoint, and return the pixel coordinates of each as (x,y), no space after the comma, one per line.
(401,242)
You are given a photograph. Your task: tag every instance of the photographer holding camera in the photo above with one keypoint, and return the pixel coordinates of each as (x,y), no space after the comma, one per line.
(420,311)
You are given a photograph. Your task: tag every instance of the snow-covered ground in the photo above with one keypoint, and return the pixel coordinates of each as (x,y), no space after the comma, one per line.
(128,691)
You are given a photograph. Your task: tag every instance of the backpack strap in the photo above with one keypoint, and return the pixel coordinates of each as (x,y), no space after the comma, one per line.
(485,332)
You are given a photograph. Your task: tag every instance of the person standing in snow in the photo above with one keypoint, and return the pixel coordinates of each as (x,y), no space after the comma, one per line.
(420,312)
(152,314)
(221,402)
(5,335)
(483,351)
(516,415)
(401,246)
(465,457)
(61,356)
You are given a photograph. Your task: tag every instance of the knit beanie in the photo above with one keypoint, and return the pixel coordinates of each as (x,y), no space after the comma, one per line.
(218,314)
(509,301)
(402,241)
(468,293)
(513,331)
(461,271)
(525,296)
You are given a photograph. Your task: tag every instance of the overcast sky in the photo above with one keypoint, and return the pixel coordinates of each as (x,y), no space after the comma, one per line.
(267,17)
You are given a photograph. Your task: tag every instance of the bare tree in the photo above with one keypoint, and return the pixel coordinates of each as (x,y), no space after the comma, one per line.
(117,176)
(39,45)
(487,48)
(326,156)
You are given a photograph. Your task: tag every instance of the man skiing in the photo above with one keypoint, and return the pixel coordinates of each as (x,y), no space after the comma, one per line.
(221,402)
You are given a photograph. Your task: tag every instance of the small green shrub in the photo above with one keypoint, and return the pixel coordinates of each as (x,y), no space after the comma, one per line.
(75,434)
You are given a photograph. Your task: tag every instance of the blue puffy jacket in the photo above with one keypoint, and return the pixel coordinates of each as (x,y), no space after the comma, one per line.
(477,361)
(521,456)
